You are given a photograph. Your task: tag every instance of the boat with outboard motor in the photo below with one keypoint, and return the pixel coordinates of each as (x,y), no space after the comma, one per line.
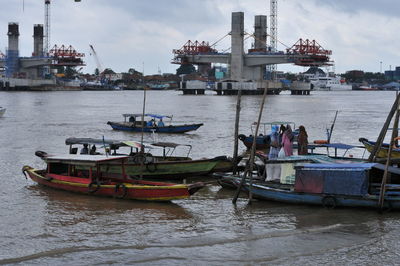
(91,175)
(151,123)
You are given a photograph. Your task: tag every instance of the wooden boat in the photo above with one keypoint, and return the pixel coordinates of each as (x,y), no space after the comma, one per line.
(383,152)
(148,166)
(87,174)
(263,140)
(154,123)
(2,111)
(329,185)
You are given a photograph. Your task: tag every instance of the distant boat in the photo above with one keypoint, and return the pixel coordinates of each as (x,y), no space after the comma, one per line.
(329,83)
(2,111)
(153,123)
(85,174)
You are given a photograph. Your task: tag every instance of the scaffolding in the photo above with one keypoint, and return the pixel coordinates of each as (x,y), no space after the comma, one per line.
(11,65)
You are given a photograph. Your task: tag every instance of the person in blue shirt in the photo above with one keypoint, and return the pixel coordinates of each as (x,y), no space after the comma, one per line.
(160,123)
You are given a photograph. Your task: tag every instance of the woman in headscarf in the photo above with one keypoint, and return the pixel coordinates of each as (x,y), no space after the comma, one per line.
(302,141)
(273,170)
(287,141)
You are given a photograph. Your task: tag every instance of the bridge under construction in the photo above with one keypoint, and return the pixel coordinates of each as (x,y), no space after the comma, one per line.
(251,66)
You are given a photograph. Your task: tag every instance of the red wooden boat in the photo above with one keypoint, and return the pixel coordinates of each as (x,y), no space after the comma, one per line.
(65,173)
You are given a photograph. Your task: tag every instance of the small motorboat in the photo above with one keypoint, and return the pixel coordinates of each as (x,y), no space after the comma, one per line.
(153,123)
(384,150)
(159,160)
(87,174)
(263,140)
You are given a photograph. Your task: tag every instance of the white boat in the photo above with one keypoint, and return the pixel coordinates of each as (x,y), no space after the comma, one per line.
(2,111)
(329,83)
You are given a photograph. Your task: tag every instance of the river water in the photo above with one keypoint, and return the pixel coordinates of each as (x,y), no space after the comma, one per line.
(41,226)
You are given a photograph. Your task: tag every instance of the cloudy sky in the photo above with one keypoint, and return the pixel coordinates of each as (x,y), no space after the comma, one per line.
(132,33)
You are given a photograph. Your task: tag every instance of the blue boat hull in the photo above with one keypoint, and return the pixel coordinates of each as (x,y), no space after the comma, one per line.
(265,192)
(166,129)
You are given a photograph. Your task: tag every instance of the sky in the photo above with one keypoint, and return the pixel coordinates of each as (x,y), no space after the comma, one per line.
(362,34)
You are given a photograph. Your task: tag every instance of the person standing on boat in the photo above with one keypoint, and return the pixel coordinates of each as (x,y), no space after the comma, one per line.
(302,141)
(273,170)
(160,123)
(287,141)
(85,149)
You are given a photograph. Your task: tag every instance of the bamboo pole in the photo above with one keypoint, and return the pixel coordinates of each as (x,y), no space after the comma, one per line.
(236,137)
(385,174)
(253,146)
(396,127)
(252,156)
(385,127)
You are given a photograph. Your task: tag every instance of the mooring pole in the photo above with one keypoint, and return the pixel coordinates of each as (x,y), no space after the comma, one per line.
(236,136)
(385,127)
(253,146)
(252,155)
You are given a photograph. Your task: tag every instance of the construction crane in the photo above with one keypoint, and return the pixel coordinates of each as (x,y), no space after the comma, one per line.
(273,33)
(47,25)
(96,58)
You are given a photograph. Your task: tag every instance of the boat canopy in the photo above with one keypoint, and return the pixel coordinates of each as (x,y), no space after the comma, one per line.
(115,144)
(74,159)
(149,115)
(169,144)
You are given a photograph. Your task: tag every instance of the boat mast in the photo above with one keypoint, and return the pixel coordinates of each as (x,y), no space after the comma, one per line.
(143,111)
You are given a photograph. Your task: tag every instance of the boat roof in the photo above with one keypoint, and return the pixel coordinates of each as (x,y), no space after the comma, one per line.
(78,159)
(275,123)
(120,143)
(149,115)
(340,165)
(105,142)
(169,144)
(335,145)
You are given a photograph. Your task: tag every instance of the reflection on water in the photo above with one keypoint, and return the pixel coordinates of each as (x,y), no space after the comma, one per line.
(45,226)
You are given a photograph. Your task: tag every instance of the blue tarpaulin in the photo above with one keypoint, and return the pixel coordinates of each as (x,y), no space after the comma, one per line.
(334,179)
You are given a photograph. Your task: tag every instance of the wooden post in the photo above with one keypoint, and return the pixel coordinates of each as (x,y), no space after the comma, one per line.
(236,137)
(385,127)
(252,155)
(385,174)
(396,127)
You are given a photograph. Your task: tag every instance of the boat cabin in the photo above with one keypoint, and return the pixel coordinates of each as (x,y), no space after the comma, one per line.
(147,120)
(90,167)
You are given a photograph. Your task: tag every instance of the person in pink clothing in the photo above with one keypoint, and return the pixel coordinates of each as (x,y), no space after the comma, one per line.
(287,141)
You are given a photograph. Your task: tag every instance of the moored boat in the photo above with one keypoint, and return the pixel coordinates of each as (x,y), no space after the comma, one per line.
(149,165)
(86,174)
(329,185)
(384,150)
(154,123)
(263,140)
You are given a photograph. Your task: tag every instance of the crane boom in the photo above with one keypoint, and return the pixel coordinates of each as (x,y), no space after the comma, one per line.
(96,58)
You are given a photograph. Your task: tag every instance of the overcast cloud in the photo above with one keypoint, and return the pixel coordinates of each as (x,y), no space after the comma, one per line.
(128,33)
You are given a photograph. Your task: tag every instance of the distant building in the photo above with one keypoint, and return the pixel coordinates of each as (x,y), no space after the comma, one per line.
(393,74)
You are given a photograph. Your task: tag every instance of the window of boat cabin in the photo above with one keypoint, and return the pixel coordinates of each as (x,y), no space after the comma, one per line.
(58,168)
